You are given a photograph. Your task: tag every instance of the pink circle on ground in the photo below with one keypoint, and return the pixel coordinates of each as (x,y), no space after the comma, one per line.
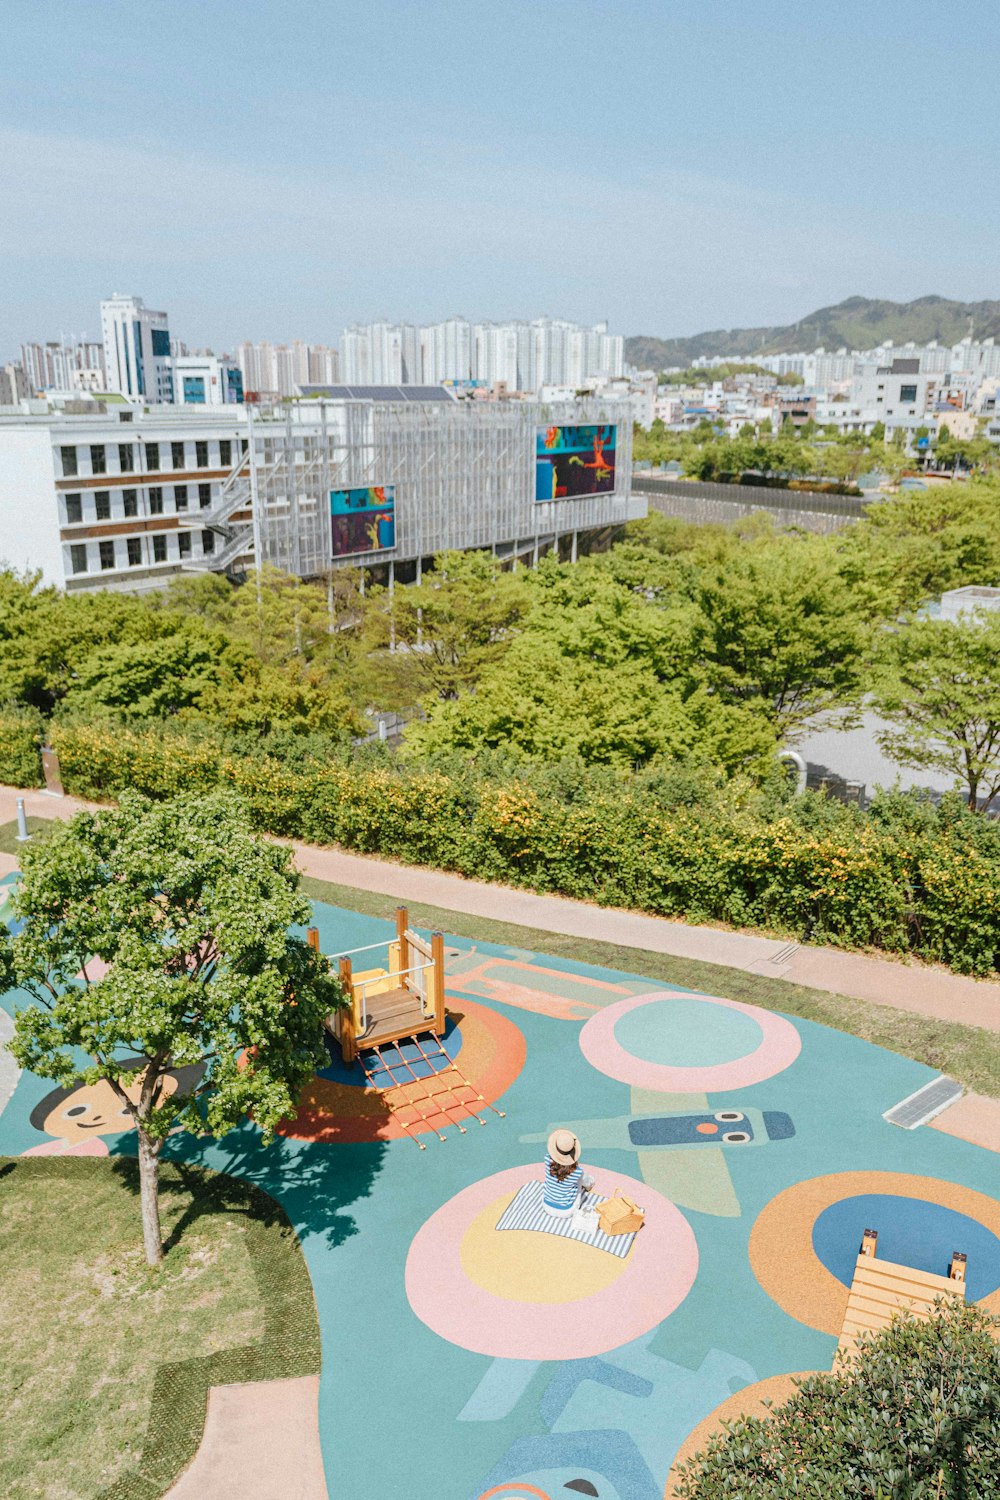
(779,1048)
(659,1272)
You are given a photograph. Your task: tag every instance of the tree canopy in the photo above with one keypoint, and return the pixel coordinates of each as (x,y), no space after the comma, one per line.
(157,937)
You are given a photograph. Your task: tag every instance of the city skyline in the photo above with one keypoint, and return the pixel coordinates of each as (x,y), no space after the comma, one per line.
(378,161)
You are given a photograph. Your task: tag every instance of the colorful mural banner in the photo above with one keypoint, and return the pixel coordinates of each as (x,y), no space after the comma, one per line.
(572,462)
(363,519)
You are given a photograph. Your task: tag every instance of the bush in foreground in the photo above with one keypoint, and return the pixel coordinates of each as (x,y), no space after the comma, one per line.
(916,1416)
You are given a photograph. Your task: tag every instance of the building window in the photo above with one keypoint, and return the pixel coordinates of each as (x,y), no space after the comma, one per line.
(207,542)
(74,509)
(102,505)
(907,393)
(98,459)
(244,444)
(201,455)
(126,458)
(152,455)
(130,502)
(159,548)
(107,551)
(225,452)
(194,390)
(204,495)
(177,455)
(68,456)
(181,496)
(156,501)
(78,558)
(134,546)
(184,543)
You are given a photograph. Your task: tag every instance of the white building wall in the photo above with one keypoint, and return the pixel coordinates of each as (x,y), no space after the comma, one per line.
(29,522)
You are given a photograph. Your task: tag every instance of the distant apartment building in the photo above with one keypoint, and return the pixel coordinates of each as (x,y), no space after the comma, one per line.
(13,385)
(269,370)
(114,499)
(523,356)
(137,358)
(56,366)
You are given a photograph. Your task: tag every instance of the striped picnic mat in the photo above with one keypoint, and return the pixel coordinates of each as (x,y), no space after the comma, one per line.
(526,1212)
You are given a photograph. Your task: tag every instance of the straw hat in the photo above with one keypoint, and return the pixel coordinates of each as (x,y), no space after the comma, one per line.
(564,1148)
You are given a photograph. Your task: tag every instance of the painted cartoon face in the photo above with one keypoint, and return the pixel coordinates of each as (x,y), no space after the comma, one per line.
(94,1109)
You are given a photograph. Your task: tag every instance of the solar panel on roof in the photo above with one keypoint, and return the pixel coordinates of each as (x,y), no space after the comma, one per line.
(378,392)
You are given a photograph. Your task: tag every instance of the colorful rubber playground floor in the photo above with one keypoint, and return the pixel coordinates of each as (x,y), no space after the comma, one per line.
(465,1360)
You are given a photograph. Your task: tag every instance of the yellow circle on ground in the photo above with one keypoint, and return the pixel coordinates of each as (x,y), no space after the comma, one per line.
(781,1247)
(525,1265)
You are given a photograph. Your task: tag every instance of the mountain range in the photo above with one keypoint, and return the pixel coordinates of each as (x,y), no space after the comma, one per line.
(858,323)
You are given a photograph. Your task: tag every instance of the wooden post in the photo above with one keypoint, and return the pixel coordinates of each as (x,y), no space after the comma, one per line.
(956,1271)
(437,978)
(312,937)
(869,1243)
(348,1034)
(402,922)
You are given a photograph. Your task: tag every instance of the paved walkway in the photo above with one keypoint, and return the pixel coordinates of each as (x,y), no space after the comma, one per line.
(261,1442)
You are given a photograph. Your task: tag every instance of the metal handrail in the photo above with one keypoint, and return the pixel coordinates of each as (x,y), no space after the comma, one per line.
(396,974)
(366,949)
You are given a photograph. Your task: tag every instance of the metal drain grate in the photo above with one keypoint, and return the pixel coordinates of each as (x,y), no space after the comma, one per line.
(784,955)
(916,1109)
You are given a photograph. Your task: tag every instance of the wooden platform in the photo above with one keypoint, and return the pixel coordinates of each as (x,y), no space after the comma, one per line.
(881,1289)
(392,1013)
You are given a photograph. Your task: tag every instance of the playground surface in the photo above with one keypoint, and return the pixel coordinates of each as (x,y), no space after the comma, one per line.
(473,1360)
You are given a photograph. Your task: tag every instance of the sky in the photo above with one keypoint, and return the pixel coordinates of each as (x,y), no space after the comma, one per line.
(282,168)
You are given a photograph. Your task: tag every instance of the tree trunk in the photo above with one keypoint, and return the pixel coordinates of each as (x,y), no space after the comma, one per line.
(149,1181)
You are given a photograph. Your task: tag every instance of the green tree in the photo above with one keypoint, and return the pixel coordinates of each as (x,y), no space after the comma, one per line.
(915,1416)
(153,679)
(939,688)
(783,631)
(156,936)
(458,622)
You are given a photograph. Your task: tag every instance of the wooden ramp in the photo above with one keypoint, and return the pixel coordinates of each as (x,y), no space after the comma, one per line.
(881,1289)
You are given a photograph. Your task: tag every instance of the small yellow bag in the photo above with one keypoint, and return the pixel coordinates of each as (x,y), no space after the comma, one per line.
(619,1215)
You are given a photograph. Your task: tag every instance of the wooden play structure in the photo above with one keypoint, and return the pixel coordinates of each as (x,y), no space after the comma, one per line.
(401,1008)
(881,1289)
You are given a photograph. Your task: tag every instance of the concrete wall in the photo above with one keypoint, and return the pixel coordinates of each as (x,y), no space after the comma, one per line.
(29,520)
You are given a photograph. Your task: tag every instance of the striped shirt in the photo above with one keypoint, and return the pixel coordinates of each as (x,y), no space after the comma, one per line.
(562,1194)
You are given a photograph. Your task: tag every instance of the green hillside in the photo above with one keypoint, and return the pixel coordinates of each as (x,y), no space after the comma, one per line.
(858,323)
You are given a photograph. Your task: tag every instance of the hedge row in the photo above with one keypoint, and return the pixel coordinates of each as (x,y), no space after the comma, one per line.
(20,744)
(903,877)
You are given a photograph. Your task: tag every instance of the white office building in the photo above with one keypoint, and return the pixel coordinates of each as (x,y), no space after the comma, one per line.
(204,380)
(114,499)
(137,359)
(129,498)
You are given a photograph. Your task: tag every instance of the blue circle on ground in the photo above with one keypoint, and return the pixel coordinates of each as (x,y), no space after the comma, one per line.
(687,1033)
(401,1063)
(911,1232)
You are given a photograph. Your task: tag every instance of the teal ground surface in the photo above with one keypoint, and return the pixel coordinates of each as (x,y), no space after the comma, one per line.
(405,1412)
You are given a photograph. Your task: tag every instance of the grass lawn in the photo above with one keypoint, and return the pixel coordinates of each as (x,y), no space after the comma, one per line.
(8,833)
(970,1054)
(104,1364)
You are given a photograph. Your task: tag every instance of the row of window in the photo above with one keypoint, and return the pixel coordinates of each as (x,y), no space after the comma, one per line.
(152,454)
(107,551)
(130,502)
